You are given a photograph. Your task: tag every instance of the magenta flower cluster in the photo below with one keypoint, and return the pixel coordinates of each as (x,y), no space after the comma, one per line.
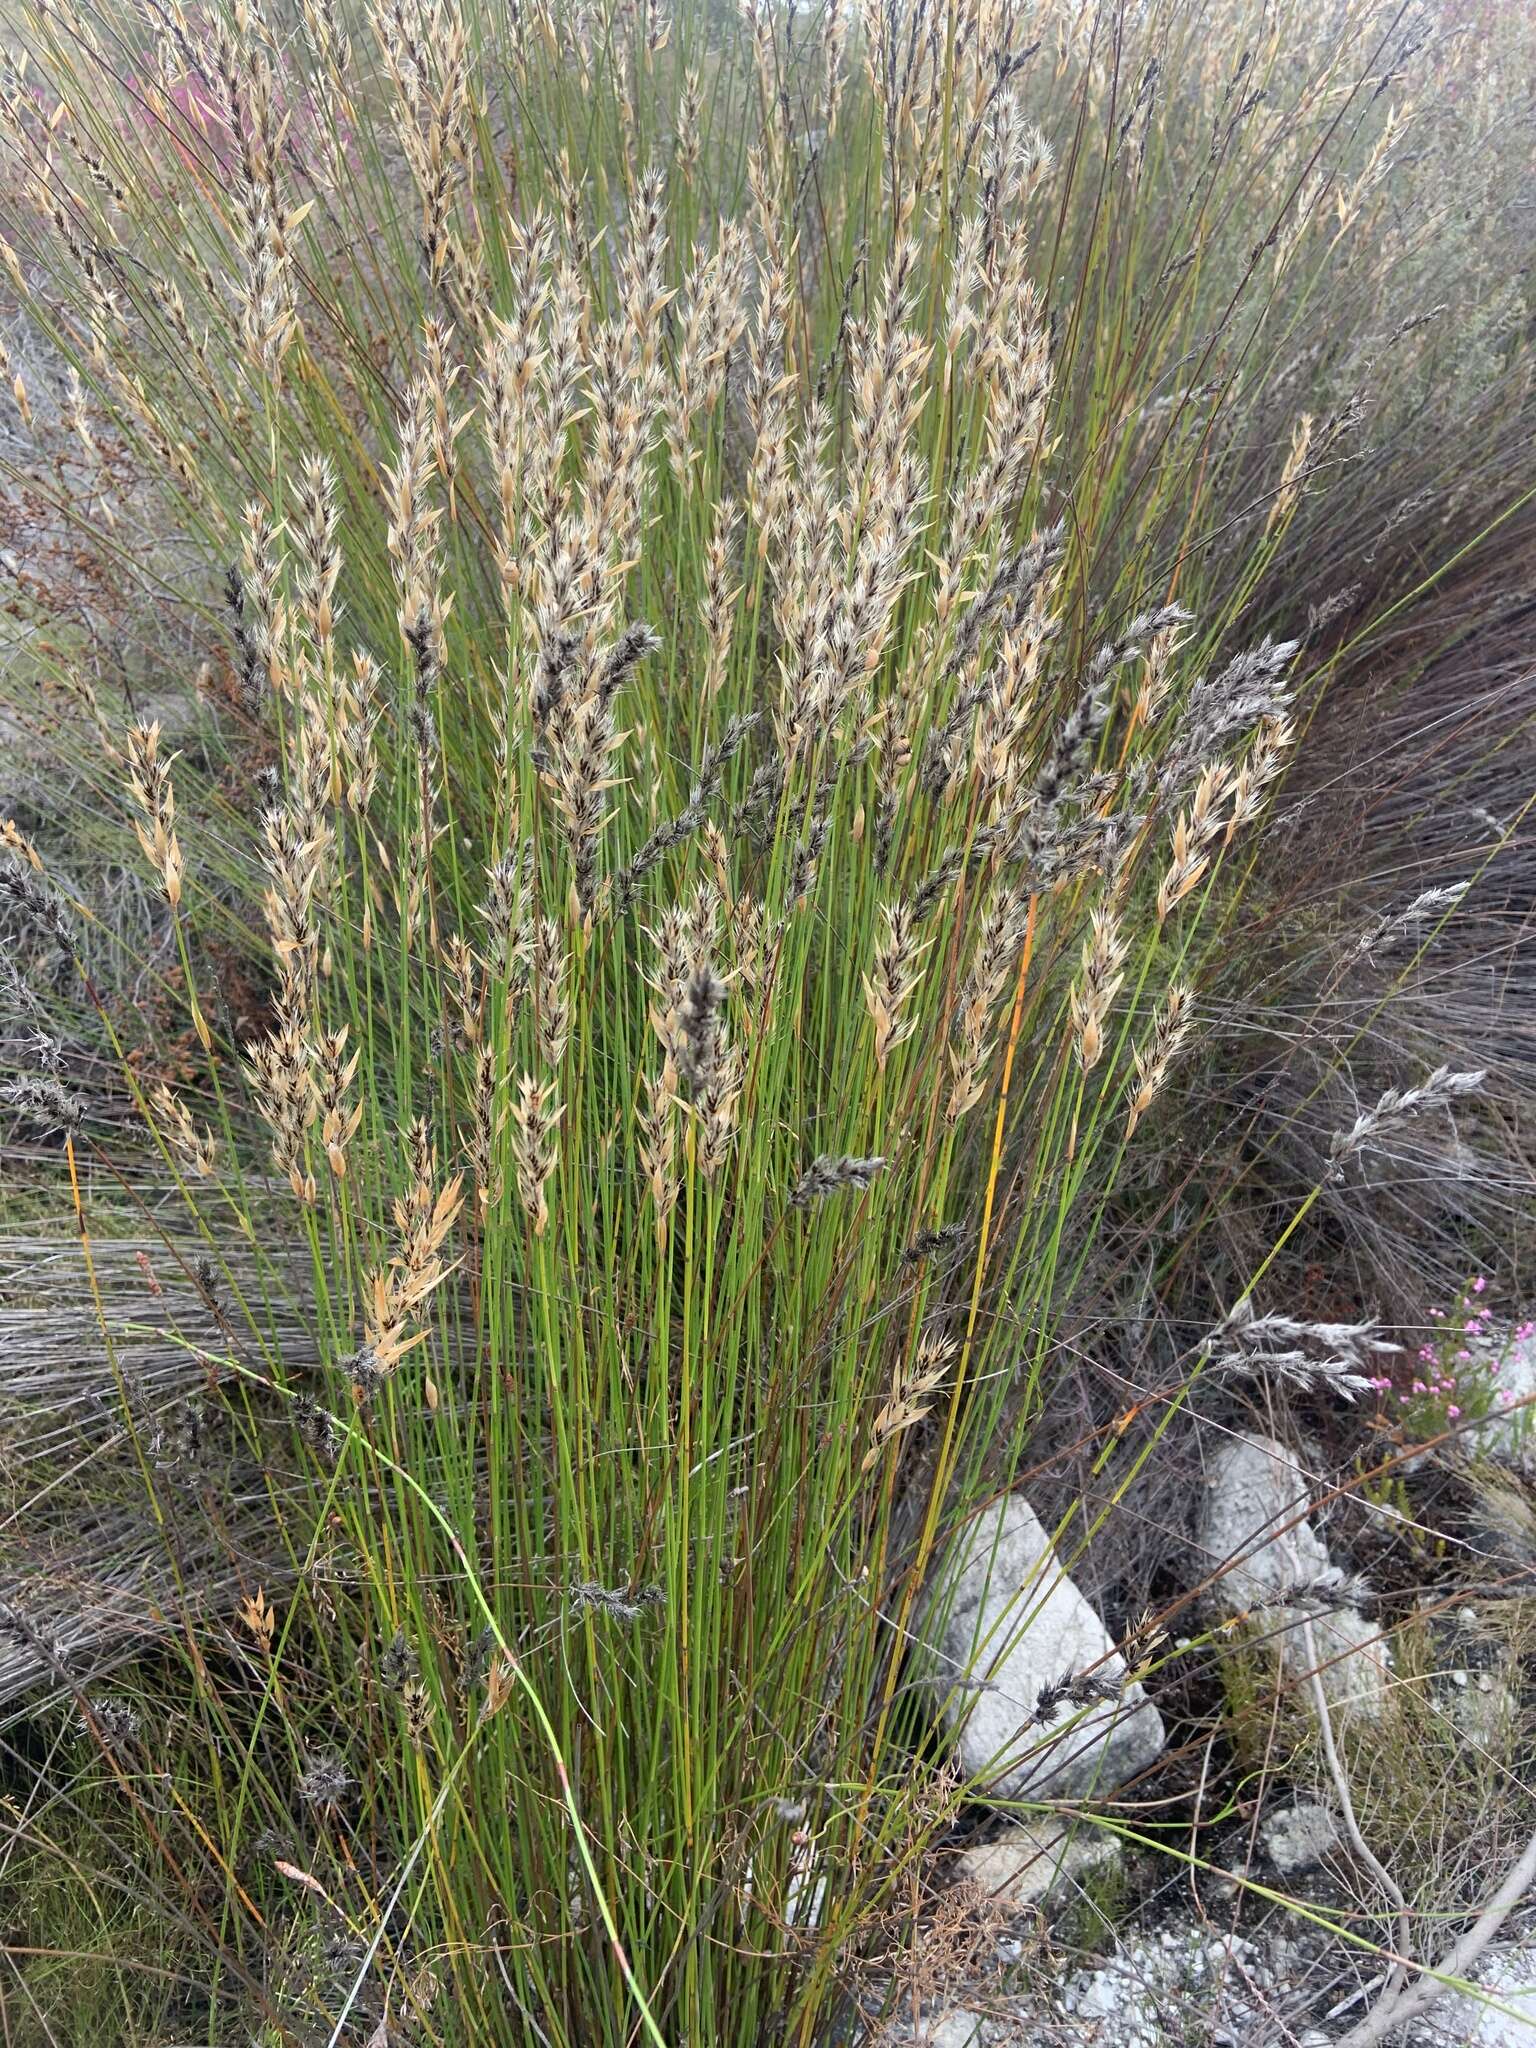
(1449,1372)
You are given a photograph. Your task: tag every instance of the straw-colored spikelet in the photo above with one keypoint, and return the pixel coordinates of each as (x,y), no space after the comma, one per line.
(12,836)
(911,1397)
(1293,475)
(1193,832)
(999,751)
(317,557)
(561,392)
(489,1117)
(149,778)
(751,942)
(432,109)
(19,396)
(279,1067)
(551,1003)
(721,592)
(397,1295)
(331,1077)
(1264,761)
(674,939)
(293,869)
(1004,921)
(268,317)
(198,1148)
(657,1118)
(1186,866)
(715,1104)
(1156,675)
(535,1117)
(411,534)
(439,376)
(1098,984)
(716,316)
(262,611)
(508,920)
(361,707)
(511,385)
(583,739)
(1153,1060)
(245,74)
(767,401)
(464,974)
(893,979)
(690,107)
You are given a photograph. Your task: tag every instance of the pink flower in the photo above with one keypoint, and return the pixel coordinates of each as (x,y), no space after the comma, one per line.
(1453,1411)
(1479,1283)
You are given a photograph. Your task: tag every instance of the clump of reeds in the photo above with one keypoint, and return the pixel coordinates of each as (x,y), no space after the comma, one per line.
(744,671)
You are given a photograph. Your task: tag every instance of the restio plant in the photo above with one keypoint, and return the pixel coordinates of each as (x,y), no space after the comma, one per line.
(676,631)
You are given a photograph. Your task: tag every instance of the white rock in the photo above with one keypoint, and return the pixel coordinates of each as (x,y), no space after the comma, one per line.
(1255,1492)
(1000,1609)
(992,2021)
(941,2026)
(1035,1860)
(956,2028)
(1355,1657)
(1222,1991)
(1299,1837)
(1254,1488)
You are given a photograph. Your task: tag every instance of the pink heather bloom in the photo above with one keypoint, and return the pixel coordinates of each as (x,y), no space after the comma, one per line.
(1453,1411)
(1419,1387)
(1463,1357)
(1479,1283)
